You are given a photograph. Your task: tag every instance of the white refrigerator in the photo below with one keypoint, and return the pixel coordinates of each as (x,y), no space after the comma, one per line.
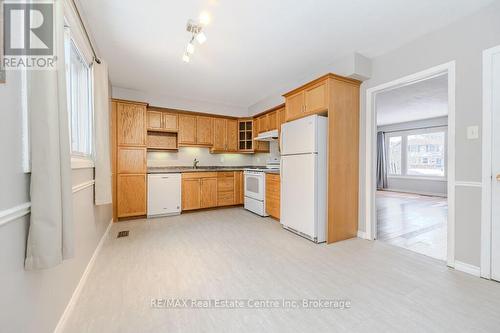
(304,177)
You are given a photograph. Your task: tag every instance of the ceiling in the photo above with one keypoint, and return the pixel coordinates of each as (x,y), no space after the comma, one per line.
(423,100)
(254,47)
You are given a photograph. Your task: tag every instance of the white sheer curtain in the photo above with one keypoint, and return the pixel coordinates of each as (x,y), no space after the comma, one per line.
(101,125)
(51,234)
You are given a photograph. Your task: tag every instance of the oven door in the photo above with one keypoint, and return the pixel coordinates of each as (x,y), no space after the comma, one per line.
(254,185)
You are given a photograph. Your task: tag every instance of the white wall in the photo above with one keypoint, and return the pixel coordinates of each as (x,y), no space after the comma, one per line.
(412,185)
(463,42)
(33,301)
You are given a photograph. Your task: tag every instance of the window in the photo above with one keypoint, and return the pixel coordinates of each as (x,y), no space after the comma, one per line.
(395,155)
(417,153)
(424,162)
(79,97)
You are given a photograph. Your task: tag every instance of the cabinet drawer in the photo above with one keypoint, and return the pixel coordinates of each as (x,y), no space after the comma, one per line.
(225,198)
(225,184)
(198,175)
(222,174)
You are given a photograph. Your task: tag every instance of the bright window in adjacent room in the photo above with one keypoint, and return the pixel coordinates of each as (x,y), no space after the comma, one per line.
(417,153)
(394,158)
(79,95)
(426,154)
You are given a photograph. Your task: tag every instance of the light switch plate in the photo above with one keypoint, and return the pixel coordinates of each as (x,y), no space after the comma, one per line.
(472,132)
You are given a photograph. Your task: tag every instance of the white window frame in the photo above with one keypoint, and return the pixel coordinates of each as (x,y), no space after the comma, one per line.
(404,152)
(81,160)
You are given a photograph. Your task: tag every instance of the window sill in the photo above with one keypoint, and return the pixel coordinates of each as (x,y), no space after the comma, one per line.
(78,162)
(436,179)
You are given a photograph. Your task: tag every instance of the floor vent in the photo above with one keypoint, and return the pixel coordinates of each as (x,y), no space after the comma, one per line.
(122,234)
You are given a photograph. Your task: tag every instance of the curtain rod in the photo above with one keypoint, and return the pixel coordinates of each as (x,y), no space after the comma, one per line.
(96,58)
(414,128)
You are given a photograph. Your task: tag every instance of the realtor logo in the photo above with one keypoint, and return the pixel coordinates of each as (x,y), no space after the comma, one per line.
(28,29)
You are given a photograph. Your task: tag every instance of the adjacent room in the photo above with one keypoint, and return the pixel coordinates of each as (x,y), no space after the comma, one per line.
(412,159)
(249,166)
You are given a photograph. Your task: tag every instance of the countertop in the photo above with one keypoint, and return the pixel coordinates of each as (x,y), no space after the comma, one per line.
(181,169)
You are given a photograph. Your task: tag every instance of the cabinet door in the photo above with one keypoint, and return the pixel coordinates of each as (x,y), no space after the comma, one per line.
(204,128)
(316,98)
(294,106)
(170,122)
(273,195)
(232,135)
(131,160)
(272,121)
(238,188)
(187,129)
(263,124)
(131,195)
(191,194)
(208,192)
(131,124)
(219,142)
(154,120)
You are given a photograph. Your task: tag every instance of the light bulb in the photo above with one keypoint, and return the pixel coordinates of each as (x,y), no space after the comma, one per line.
(185,57)
(201,38)
(205,18)
(190,48)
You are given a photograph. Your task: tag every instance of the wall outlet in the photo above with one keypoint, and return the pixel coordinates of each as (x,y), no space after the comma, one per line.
(472,132)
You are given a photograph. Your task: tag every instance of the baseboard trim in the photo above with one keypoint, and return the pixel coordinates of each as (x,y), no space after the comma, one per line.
(362,235)
(428,194)
(467,268)
(14,213)
(76,293)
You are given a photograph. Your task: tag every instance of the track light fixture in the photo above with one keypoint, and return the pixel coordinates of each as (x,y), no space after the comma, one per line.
(194,28)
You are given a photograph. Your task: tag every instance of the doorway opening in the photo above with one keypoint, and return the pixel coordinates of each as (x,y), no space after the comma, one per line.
(410,185)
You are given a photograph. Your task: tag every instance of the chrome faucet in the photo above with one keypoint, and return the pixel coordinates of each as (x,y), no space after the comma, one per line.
(195,163)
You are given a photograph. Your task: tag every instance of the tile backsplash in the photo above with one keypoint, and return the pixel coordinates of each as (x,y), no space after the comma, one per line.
(186,155)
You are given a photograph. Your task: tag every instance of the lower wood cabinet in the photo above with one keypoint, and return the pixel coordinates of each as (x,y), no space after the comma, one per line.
(208,191)
(131,195)
(273,188)
(211,189)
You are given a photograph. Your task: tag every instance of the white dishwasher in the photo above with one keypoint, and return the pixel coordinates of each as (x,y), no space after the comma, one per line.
(164,194)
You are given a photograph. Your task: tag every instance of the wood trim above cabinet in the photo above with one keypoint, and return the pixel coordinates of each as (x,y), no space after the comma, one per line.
(322,78)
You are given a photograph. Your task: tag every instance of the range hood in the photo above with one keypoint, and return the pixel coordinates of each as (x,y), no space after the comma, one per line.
(268,136)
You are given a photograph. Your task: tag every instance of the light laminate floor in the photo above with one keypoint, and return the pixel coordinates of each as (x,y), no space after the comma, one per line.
(231,253)
(415,222)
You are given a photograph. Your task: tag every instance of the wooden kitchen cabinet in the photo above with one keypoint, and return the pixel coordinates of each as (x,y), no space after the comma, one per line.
(131,195)
(131,124)
(273,195)
(225,135)
(311,98)
(131,160)
(191,194)
(294,106)
(170,122)
(259,146)
(245,135)
(225,189)
(204,130)
(239,193)
(208,192)
(272,121)
(263,124)
(155,120)
(187,129)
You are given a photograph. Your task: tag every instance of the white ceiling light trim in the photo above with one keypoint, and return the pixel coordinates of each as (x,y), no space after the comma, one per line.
(194,28)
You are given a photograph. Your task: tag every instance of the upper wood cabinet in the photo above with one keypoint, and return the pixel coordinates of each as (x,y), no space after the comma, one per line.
(280,115)
(187,129)
(155,120)
(204,128)
(131,124)
(311,98)
(219,134)
(263,123)
(272,121)
(170,122)
(225,133)
(131,160)
(245,135)
(259,146)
